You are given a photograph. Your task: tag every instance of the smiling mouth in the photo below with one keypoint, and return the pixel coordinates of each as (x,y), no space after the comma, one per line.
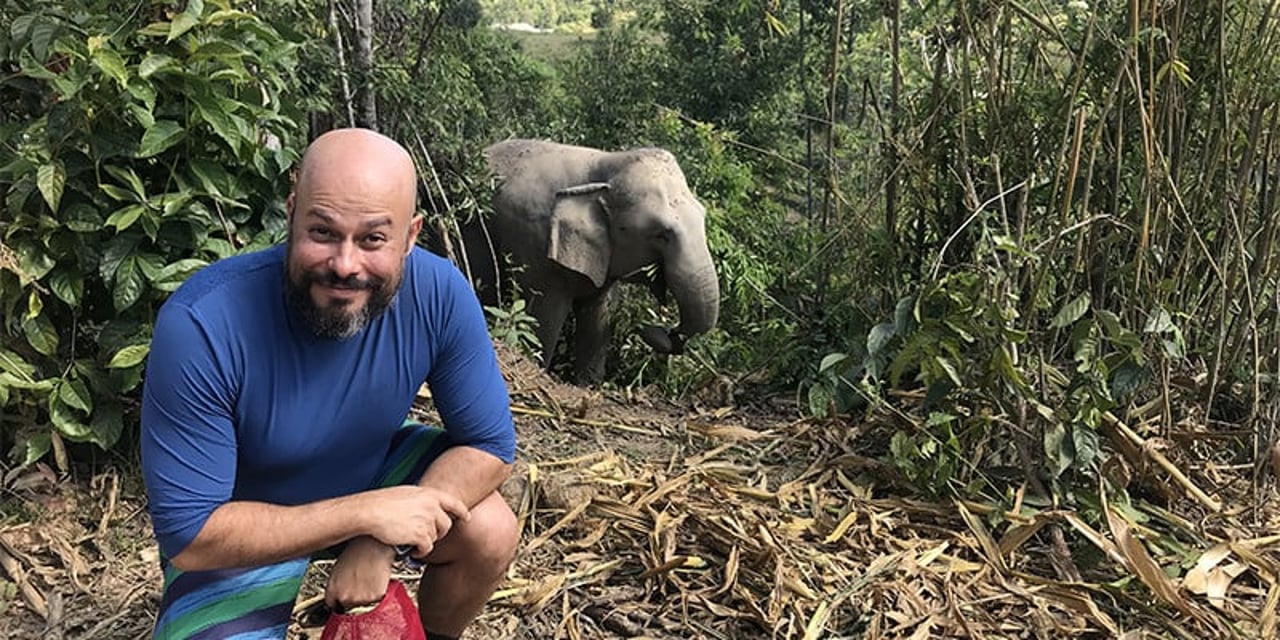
(342,292)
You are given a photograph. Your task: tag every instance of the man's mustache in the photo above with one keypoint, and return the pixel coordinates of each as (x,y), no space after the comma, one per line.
(331,279)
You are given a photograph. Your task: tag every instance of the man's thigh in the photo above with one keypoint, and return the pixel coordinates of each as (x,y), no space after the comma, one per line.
(257,602)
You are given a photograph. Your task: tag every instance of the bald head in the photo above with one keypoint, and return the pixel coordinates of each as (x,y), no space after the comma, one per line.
(351,230)
(360,161)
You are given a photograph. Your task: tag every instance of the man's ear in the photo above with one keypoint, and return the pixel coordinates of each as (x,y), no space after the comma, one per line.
(415,228)
(288,207)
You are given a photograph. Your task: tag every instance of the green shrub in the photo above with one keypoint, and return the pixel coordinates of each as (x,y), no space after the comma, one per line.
(137,147)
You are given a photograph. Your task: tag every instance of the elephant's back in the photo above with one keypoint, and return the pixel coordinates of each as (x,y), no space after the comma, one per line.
(512,158)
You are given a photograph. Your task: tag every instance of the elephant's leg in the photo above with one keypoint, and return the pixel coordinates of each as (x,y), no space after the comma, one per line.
(550,311)
(591,339)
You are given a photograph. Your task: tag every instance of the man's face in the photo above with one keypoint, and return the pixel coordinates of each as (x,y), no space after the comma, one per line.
(345,261)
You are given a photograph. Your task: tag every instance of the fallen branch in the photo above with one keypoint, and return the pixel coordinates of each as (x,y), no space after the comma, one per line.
(542,413)
(1120,429)
(11,566)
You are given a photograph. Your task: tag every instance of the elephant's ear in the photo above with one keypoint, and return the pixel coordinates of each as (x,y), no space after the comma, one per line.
(580,232)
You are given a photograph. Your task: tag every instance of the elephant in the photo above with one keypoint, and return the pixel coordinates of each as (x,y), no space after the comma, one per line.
(573,221)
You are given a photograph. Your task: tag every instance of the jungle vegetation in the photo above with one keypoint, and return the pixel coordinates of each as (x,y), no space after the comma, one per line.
(1044,223)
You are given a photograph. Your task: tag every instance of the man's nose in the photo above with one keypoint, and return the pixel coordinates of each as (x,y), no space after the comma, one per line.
(343,261)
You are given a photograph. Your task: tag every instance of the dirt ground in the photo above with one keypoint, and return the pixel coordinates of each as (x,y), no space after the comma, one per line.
(644,518)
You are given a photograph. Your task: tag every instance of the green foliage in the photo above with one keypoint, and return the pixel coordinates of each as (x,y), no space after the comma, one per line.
(515,327)
(139,146)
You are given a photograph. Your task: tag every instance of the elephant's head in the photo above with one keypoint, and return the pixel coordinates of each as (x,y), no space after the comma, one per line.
(638,211)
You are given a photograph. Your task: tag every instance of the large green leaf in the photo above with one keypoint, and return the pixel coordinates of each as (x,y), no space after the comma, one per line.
(51,178)
(215,113)
(67,422)
(40,386)
(904,315)
(150,264)
(1072,311)
(130,178)
(155,63)
(1085,443)
(107,424)
(14,365)
(129,284)
(117,249)
(130,356)
(186,20)
(37,446)
(68,285)
(160,137)
(75,394)
(41,334)
(117,193)
(124,218)
(1057,449)
(110,62)
(143,91)
(43,32)
(82,218)
(879,336)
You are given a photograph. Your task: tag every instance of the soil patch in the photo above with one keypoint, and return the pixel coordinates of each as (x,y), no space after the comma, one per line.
(644,518)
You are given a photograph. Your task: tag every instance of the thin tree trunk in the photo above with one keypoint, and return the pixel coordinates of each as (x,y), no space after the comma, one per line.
(891,145)
(830,194)
(366,103)
(343,79)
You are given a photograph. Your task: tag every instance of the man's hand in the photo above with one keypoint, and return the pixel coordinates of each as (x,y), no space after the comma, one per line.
(413,516)
(360,575)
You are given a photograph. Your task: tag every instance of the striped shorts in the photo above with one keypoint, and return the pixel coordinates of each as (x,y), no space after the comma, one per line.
(257,603)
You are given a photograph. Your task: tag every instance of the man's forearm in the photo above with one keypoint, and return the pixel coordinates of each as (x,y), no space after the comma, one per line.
(468,473)
(243,534)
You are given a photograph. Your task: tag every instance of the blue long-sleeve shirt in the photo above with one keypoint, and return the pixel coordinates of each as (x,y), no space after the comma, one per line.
(242,402)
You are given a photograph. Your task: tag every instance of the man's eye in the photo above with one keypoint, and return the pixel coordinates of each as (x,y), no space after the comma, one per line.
(375,239)
(320,232)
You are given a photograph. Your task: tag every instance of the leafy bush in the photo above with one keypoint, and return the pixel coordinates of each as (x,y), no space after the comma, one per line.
(138,147)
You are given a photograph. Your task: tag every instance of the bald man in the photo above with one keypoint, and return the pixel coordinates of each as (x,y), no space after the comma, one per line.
(274,405)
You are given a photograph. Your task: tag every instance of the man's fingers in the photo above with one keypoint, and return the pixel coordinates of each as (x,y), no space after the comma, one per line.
(455,507)
(424,550)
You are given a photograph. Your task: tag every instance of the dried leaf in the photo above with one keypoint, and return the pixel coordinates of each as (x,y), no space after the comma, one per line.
(1143,565)
(845,522)
(818,621)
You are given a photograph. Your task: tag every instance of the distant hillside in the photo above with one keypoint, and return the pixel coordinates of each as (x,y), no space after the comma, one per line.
(549,47)
(544,14)
(564,15)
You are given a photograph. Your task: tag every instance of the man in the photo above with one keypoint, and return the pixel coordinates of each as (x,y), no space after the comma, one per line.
(275,394)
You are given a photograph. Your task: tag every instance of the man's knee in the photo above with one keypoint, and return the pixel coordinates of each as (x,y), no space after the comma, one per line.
(487,540)
(498,530)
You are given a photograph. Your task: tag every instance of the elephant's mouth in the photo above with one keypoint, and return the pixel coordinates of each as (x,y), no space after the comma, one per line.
(653,277)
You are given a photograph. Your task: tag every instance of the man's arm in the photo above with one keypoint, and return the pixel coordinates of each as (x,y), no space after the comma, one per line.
(466,473)
(404,515)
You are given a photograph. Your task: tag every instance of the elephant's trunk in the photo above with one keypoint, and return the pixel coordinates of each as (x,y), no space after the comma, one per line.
(691,279)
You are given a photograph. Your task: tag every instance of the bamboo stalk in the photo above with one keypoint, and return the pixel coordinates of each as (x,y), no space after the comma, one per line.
(1176,474)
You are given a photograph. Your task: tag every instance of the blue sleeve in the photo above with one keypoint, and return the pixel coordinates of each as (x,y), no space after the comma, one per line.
(188,436)
(466,383)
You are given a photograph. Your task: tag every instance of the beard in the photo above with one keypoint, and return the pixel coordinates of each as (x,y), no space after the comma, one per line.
(335,321)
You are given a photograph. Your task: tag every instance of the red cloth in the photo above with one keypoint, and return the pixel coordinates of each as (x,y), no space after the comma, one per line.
(395,618)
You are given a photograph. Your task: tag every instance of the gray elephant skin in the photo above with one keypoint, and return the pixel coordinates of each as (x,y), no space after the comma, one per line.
(570,222)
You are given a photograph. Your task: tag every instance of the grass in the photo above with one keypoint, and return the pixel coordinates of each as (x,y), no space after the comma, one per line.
(553,48)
